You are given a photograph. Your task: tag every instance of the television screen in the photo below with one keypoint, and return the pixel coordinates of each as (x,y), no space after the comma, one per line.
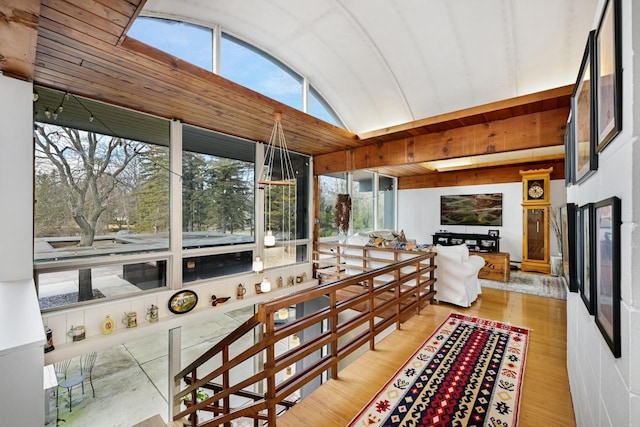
(471,209)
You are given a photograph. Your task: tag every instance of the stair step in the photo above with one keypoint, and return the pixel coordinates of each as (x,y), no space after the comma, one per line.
(155,421)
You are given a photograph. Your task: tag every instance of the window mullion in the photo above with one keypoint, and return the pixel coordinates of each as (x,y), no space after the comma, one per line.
(175,197)
(216,49)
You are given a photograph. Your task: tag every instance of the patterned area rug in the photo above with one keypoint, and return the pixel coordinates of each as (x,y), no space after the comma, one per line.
(467,373)
(534,284)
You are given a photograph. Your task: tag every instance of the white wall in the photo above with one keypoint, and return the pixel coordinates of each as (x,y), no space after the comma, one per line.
(419,213)
(16,182)
(606,390)
(22,337)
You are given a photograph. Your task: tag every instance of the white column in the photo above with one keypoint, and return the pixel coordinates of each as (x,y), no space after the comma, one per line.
(22,337)
(16,179)
(174,368)
(175,191)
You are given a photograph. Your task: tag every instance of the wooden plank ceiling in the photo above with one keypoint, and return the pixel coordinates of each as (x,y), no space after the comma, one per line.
(82,47)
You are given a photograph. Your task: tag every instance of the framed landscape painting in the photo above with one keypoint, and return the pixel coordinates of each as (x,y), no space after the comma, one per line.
(582,106)
(585,284)
(568,229)
(471,209)
(608,75)
(607,271)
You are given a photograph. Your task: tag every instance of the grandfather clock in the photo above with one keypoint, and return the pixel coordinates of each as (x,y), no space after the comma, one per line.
(535,214)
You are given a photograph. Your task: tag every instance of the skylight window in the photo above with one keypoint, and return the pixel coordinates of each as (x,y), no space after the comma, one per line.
(239,62)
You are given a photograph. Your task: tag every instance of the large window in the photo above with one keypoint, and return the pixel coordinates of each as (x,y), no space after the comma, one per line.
(101,189)
(330,186)
(217,189)
(371,198)
(192,43)
(286,213)
(252,68)
(239,61)
(319,108)
(386,203)
(363,206)
(103,203)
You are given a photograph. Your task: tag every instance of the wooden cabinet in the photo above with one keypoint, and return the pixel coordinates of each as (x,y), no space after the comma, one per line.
(535,220)
(497,266)
(475,242)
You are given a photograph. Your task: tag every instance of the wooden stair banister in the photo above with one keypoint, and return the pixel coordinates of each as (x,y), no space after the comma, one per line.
(379,299)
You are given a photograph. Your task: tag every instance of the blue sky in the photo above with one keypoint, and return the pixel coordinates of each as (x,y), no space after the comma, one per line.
(238,63)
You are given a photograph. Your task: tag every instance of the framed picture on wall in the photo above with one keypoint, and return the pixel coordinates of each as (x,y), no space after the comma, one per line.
(607,221)
(568,152)
(582,106)
(586,283)
(608,75)
(568,230)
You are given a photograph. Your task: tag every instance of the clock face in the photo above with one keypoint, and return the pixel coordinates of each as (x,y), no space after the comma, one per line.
(535,190)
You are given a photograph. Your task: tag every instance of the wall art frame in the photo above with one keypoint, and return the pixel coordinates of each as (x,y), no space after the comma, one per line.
(569,174)
(585,159)
(607,222)
(568,230)
(471,209)
(183,301)
(586,283)
(608,75)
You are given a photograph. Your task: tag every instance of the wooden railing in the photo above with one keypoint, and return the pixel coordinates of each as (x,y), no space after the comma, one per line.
(243,378)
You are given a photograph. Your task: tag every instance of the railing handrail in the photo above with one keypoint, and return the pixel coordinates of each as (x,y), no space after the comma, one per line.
(386,301)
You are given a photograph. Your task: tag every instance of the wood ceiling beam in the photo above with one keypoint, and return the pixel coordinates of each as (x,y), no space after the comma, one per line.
(493,175)
(526,104)
(18,37)
(535,130)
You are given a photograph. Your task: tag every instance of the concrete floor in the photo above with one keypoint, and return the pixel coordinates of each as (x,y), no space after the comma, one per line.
(131,380)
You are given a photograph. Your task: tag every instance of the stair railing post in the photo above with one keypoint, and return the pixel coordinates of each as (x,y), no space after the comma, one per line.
(269,368)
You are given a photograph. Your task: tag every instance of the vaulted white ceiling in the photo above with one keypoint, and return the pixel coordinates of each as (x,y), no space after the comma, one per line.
(385,62)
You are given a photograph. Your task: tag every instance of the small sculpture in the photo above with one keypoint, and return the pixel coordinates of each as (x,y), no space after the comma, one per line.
(240,291)
(152,313)
(108,325)
(215,300)
(130,319)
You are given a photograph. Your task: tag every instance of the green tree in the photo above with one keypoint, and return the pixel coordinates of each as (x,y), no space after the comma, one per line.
(194,188)
(231,196)
(152,196)
(89,165)
(51,209)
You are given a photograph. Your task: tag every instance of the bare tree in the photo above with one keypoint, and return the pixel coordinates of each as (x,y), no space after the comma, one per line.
(88,165)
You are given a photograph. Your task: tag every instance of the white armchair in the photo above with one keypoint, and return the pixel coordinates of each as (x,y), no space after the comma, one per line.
(457,275)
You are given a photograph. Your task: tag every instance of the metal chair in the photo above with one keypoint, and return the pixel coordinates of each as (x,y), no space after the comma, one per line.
(86,367)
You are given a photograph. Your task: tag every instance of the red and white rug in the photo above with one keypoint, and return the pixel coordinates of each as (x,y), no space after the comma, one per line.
(469,372)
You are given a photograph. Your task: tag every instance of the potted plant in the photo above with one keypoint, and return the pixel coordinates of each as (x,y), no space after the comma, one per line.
(200,396)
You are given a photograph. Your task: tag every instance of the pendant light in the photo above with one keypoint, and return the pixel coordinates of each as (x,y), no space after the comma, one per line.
(278,179)
(258,265)
(265,286)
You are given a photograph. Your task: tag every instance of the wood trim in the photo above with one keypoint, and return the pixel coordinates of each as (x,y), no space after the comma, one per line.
(517,133)
(18,38)
(510,107)
(135,15)
(496,175)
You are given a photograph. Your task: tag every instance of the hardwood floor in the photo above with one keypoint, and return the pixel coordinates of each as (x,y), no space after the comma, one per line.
(546,400)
